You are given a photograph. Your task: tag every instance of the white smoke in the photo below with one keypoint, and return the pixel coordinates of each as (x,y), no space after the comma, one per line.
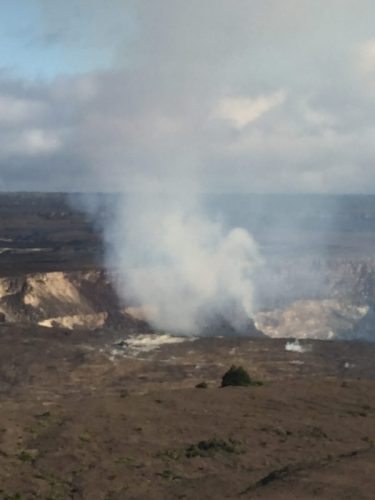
(179,265)
(296,346)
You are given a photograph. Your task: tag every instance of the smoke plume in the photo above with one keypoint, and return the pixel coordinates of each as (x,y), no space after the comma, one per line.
(180,266)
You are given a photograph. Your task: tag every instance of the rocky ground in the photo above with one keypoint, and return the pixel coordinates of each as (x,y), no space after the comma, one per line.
(88,416)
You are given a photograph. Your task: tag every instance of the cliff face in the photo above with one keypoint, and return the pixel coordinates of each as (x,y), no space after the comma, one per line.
(82,299)
(302,298)
(282,281)
(317,298)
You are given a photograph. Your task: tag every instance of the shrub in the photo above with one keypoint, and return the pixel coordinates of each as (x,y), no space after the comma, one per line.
(28,456)
(237,376)
(212,446)
(202,385)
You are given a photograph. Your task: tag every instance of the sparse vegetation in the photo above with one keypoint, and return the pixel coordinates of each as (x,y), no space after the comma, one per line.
(212,446)
(237,376)
(169,454)
(168,474)
(202,385)
(45,414)
(85,437)
(28,456)
(204,448)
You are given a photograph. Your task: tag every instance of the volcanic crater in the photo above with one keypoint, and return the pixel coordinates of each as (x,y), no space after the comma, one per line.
(97,404)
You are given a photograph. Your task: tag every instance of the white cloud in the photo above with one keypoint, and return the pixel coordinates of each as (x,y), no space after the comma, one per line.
(15,110)
(31,142)
(241,111)
(38,141)
(320,119)
(366,56)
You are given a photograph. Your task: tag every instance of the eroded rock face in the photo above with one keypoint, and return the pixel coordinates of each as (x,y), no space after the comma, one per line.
(283,281)
(301,298)
(69,300)
(11,286)
(317,319)
(87,321)
(331,298)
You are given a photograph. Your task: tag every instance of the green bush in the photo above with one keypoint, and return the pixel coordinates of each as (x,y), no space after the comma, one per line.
(202,385)
(237,376)
(27,456)
(212,446)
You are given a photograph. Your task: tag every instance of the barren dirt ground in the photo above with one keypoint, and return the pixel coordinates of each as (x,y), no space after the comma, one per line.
(84,416)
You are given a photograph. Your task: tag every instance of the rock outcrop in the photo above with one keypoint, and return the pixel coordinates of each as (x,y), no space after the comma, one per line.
(70,300)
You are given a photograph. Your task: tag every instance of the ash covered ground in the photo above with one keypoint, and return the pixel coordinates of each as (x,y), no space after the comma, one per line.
(94,404)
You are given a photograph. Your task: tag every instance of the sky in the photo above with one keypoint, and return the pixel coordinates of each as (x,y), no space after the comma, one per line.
(208,95)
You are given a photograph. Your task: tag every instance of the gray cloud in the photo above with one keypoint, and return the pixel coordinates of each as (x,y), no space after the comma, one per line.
(156,116)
